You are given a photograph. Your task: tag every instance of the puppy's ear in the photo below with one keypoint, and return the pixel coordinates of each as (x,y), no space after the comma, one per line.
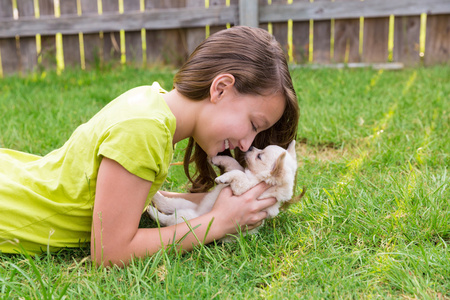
(277,169)
(291,150)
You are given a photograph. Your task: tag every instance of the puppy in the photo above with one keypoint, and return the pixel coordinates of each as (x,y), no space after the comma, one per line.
(273,165)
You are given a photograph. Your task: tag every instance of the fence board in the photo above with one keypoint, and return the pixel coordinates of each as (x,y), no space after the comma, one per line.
(213,4)
(93,42)
(264,26)
(437,46)
(154,38)
(111,40)
(346,40)
(10,58)
(300,40)
(48,43)
(133,39)
(407,40)
(322,38)
(194,36)
(28,54)
(248,13)
(71,44)
(375,40)
(165,46)
(280,29)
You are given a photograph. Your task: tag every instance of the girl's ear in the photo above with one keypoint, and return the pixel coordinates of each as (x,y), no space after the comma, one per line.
(221,84)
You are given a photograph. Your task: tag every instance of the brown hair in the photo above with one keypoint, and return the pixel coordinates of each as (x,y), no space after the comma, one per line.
(259,66)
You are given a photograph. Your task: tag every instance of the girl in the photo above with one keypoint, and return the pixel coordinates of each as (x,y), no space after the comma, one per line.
(235,90)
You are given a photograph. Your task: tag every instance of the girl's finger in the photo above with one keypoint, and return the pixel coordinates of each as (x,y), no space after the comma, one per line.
(252,226)
(258,189)
(266,203)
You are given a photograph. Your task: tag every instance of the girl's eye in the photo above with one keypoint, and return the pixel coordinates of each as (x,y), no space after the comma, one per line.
(254,127)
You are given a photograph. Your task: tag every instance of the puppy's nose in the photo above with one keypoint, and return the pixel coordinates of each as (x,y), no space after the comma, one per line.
(250,149)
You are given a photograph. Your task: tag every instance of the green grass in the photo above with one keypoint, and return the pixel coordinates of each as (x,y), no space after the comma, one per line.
(374,154)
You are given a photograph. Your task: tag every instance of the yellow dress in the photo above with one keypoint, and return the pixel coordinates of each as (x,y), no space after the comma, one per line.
(47,202)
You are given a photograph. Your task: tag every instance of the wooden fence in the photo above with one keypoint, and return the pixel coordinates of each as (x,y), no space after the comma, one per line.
(90,33)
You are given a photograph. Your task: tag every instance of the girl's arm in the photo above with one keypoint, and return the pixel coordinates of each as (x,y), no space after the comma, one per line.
(119,203)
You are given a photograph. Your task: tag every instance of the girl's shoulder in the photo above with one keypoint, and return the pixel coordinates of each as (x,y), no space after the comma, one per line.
(140,103)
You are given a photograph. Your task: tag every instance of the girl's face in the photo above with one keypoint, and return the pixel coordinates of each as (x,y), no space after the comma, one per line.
(233,120)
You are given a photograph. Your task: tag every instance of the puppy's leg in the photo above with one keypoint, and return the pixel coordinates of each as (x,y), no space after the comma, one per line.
(162,203)
(178,216)
(208,201)
(163,219)
(171,211)
(156,215)
(273,210)
(239,181)
(168,205)
(228,162)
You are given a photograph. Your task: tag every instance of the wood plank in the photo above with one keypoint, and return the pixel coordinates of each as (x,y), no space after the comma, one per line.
(154,55)
(71,44)
(346,39)
(48,43)
(437,45)
(111,40)
(321,46)
(300,39)
(300,42)
(133,39)
(212,3)
(407,40)
(280,29)
(10,57)
(375,66)
(349,9)
(322,39)
(93,42)
(194,36)
(167,46)
(248,13)
(264,26)
(114,22)
(375,40)
(28,54)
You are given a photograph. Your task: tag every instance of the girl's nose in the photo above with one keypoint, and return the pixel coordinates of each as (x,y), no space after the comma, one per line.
(246,143)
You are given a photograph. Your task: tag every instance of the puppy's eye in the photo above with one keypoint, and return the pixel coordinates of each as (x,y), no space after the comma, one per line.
(258,156)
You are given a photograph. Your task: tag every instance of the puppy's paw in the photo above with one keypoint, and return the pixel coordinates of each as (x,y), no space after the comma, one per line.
(218,160)
(223,179)
(227,162)
(273,211)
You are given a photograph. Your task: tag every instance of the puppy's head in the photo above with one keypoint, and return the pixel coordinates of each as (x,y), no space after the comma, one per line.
(273,164)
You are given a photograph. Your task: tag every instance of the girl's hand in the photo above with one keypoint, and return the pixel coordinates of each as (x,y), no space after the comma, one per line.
(245,211)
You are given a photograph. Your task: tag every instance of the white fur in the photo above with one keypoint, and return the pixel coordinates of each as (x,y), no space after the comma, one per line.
(260,167)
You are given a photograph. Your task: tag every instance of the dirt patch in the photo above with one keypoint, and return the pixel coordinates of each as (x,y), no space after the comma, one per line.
(324,152)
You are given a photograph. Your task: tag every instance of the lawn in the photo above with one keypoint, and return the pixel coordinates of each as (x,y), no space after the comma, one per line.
(374,155)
